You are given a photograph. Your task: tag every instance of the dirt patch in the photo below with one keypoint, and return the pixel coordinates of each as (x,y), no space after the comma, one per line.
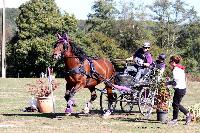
(15,123)
(193,78)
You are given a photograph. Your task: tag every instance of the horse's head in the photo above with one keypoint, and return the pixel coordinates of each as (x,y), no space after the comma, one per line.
(62,47)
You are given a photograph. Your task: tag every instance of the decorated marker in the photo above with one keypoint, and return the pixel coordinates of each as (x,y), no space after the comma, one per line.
(50,78)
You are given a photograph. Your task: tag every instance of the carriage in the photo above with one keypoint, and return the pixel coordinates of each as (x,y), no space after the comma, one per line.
(86,72)
(128,94)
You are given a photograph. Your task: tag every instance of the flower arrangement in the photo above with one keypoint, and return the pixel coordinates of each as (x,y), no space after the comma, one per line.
(195,110)
(163,97)
(42,88)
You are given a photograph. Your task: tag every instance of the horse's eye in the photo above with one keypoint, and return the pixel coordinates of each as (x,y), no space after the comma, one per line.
(55,45)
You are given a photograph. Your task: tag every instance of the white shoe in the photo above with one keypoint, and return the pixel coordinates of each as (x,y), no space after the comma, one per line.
(87,107)
(86,110)
(108,113)
(173,122)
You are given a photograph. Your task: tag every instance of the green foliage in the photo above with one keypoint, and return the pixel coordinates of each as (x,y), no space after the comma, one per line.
(103,18)
(108,47)
(38,18)
(190,45)
(31,56)
(69,23)
(97,44)
(155,51)
(191,64)
(173,28)
(37,22)
(169,16)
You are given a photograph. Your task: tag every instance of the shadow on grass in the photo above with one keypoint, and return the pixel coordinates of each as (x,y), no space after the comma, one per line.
(117,115)
(143,120)
(47,115)
(54,115)
(137,119)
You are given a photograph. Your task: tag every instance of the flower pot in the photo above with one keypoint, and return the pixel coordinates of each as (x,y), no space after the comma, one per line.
(45,104)
(162,116)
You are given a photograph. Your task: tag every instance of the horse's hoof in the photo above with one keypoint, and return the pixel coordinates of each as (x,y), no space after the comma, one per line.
(68,110)
(74,105)
(108,113)
(68,114)
(86,110)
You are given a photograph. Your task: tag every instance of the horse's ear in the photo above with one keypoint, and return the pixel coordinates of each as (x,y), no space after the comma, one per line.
(66,37)
(59,36)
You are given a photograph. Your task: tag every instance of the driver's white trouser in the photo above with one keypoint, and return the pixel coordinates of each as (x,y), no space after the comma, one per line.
(142,71)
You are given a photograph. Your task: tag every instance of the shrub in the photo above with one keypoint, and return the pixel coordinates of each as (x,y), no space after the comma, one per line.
(42,88)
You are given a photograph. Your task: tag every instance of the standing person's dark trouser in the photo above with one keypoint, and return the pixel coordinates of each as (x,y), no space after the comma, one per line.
(178,96)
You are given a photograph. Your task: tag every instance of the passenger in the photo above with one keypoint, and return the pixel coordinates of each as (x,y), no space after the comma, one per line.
(143,59)
(160,64)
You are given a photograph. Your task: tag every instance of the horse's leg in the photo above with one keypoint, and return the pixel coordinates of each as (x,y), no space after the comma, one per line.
(70,92)
(89,103)
(93,94)
(111,100)
(68,97)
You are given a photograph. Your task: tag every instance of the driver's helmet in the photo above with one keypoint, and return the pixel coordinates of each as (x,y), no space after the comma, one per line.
(146,45)
(162,56)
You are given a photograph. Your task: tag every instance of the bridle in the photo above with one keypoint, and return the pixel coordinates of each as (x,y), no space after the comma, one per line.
(65,44)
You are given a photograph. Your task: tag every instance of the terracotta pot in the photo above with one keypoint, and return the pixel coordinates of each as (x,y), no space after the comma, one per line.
(45,104)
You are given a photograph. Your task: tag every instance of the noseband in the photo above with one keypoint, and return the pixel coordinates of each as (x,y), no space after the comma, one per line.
(65,44)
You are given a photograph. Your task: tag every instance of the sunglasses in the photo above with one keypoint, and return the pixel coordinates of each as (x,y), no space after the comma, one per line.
(146,47)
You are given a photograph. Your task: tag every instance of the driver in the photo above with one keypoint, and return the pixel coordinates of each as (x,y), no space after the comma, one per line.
(143,59)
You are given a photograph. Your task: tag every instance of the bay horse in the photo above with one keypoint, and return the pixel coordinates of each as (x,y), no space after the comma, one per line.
(82,71)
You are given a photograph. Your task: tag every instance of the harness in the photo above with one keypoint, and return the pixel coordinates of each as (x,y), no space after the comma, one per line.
(80,70)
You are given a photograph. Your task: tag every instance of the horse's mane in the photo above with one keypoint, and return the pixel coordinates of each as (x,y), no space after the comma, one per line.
(82,55)
(78,51)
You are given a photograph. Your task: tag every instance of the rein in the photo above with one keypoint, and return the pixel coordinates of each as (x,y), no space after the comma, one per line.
(72,57)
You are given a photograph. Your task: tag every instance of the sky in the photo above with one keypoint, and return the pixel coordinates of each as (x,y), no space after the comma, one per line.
(81,8)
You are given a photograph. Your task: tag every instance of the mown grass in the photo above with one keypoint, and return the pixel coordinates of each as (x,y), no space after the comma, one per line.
(14,97)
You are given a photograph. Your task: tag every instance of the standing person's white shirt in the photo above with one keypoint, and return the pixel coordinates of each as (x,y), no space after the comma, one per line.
(179,78)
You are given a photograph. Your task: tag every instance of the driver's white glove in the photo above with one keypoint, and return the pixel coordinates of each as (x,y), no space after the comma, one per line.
(146,64)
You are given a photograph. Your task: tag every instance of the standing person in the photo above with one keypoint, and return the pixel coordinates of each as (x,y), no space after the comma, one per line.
(143,60)
(179,85)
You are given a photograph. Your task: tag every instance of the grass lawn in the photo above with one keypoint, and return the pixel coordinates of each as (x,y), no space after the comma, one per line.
(14,97)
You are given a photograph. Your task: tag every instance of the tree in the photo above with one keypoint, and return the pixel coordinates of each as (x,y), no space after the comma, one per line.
(38,18)
(189,44)
(132,26)
(101,45)
(103,18)
(38,22)
(169,16)
(69,23)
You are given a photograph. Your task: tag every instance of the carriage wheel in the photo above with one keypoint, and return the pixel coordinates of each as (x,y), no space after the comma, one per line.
(146,101)
(127,102)
(105,104)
